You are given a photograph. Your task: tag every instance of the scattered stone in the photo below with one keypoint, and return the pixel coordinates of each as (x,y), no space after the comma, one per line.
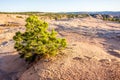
(87,57)
(46,60)
(104,60)
(95,58)
(4,43)
(74,44)
(77,58)
(113,60)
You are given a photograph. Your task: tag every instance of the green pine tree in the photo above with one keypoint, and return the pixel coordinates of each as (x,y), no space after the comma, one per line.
(37,42)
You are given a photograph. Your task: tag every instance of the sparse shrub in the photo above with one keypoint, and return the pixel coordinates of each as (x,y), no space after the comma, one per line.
(56,18)
(84,15)
(70,16)
(19,17)
(37,42)
(107,18)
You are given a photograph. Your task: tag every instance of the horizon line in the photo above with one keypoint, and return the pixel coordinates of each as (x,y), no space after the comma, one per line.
(54,11)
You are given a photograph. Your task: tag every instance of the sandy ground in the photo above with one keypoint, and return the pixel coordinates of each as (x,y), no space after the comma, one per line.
(93,52)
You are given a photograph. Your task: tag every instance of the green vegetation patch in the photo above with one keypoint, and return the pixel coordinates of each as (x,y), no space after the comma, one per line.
(37,42)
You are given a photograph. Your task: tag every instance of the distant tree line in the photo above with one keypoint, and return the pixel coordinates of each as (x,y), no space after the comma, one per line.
(108,18)
(58,16)
(43,15)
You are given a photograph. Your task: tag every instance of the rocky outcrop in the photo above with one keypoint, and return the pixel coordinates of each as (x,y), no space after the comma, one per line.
(98,16)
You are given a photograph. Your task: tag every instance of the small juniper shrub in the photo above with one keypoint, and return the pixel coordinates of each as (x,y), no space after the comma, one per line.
(37,42)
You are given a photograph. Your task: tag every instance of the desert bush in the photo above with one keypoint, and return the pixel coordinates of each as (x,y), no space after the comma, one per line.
(84,15)
(19,17)
(37,42)
(114,19)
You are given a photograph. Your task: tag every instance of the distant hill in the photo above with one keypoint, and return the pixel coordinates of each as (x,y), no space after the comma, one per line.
(108,13)
(117,13)
(113,13)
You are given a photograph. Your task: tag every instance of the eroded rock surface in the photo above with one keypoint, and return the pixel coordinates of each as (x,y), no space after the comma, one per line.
(93,52)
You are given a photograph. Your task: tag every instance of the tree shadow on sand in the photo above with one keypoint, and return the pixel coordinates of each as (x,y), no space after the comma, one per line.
(11,66)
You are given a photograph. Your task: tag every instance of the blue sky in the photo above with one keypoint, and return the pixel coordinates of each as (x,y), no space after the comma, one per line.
(59,5)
